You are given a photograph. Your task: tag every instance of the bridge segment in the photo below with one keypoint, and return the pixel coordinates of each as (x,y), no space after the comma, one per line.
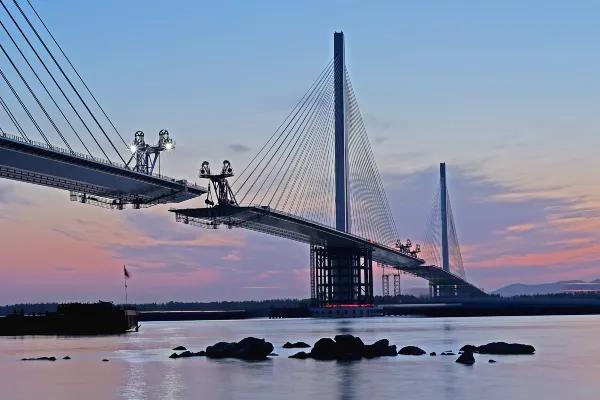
(42,94)
(319,157)
(89,179)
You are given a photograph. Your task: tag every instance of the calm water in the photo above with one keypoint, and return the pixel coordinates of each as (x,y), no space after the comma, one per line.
(566,366)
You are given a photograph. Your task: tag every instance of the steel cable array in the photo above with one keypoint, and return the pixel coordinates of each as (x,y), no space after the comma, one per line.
(431,244)
(294,171)
(370,212)
(33,75)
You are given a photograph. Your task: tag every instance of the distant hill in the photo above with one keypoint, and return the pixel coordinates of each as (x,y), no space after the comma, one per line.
(518,289)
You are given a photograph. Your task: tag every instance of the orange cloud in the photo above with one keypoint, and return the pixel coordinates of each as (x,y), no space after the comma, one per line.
(539,259)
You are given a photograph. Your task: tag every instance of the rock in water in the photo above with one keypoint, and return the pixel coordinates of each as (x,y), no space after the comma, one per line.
(221,350)
(105,360)
(66,358)
(411,351)
(447,353)
(470,347)
(301,355)
(492,361)
(466,358)
(297,345)
(380,348)
(433,353)
(506,348)
(349,347)
(201,353)
(252,348)
(174,355)
(324,349)
(186,354)
(179,348)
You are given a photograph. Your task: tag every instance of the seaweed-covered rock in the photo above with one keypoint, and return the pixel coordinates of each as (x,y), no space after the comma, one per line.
(324,349)
(221,350)
(411,351)
(506,348)
(300,355)
(466,358)
(380,348)
(252,348)
(349,347)
(297,345)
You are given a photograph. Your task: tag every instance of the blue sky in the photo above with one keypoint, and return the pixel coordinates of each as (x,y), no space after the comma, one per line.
(505,92)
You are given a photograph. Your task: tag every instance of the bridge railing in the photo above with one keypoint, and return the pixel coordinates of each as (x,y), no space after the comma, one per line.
(88,157)
(267,208)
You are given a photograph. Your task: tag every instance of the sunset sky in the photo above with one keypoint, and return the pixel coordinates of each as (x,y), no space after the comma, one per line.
(506,93)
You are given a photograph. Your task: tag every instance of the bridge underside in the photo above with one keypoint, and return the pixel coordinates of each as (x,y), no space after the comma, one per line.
(89,180)
(277,223)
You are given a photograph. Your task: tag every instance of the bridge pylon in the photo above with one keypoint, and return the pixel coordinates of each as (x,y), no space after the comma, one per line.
(441,247)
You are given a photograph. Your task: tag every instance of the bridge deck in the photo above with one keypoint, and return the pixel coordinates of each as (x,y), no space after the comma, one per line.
(40,164)
(264,219)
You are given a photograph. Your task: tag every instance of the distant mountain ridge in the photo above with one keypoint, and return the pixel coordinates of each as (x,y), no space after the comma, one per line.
(517,289)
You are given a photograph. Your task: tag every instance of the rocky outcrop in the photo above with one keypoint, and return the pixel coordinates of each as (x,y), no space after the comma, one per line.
(324,349)
(506,348)
(500,348)
(301,355)
(411,351)
(380,348)
(188,354)
(466,358)
(297,345)
(221,350)
(249,348)
(252,348)
(347,348)
(179,348)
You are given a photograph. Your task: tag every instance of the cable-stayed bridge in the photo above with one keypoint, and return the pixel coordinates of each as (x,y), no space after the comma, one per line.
(43,95)
(315,181)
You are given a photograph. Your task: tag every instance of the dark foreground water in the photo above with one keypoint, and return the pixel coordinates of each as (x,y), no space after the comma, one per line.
(566,366)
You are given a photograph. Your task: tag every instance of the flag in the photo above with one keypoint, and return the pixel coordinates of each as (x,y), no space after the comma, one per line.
(126,272)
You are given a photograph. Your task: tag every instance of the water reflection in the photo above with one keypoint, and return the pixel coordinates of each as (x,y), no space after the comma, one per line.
(135,382)
(346,370)
(565,367)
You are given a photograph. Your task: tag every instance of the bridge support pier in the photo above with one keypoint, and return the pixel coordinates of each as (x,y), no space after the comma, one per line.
(342,276)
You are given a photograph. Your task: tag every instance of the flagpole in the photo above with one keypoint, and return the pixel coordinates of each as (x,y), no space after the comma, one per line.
(125,280)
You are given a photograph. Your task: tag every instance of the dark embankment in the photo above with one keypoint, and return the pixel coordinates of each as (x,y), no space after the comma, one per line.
(496,306)
(196,315)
